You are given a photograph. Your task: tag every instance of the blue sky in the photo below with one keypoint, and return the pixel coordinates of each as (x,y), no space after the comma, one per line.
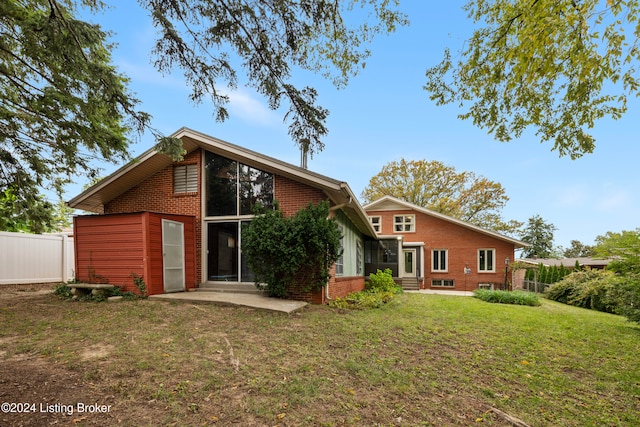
(384,115)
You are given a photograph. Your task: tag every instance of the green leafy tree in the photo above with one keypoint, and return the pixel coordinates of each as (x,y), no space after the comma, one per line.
(539,234)
(17,215)
(270,37)
(624,247)
(282,251)
(64,105)
(439,187)
(625,297)
(577,250)
(554,65)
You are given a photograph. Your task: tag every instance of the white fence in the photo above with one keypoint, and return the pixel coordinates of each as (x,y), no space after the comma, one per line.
(34,258)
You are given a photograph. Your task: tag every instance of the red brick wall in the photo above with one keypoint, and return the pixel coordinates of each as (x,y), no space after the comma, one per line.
(293,196)
(462,245)
(155,194)
(339,287)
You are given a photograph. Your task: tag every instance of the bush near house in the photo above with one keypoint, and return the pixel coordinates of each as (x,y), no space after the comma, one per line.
(278,248)
(380,289)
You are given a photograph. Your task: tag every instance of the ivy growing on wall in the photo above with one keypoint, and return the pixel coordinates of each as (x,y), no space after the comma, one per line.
(281,250)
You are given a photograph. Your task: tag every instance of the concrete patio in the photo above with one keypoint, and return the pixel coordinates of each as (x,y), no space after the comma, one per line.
(252,300)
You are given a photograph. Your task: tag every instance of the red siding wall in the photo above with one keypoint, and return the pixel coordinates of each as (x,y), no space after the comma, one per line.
(462,244)
(111,248)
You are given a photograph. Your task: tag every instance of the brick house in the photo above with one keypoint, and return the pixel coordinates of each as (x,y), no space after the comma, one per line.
(178,226)
(157,215)
(428,250)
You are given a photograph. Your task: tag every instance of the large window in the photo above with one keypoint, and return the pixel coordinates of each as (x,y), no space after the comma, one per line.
(439,260)
(234,188)
(486,259)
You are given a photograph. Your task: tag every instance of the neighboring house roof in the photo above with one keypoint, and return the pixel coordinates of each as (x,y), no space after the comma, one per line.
(152,161)
(568,262)
(389,203)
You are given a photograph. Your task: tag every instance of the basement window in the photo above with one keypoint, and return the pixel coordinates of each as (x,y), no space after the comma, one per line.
(185,179)
(442,283)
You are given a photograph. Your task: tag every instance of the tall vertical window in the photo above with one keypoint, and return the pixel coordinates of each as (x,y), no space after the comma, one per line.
(486,259)
(222,185)
(404,223)
(376,222)
(359,257)
(440,262)
(340,261)
(222,255)
(255,187)
(232,190)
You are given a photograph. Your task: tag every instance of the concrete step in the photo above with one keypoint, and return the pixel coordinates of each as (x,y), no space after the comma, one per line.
(408,284)
(237,288)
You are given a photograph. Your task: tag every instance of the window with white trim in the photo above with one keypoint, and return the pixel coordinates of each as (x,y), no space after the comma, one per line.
(376,222)
(440,260)
(443,283)
(486,260)
(404,223)
(185,179)
(358,257)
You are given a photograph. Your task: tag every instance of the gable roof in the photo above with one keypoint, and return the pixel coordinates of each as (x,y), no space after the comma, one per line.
(152,161)
(388,203)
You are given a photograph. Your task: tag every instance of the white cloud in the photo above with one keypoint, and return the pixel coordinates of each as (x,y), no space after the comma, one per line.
(247,107)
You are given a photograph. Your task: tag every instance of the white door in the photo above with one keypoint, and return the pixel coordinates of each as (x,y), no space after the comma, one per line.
(173,255)
(409,268)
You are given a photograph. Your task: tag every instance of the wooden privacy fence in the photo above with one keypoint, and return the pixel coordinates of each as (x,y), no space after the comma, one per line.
(35,258)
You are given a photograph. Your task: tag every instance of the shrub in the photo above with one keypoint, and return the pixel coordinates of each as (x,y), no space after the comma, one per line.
(380,290)
(62,291)
(363,300)
(382,281)
(279,248)
(624,297)
(506,297)
(586,289)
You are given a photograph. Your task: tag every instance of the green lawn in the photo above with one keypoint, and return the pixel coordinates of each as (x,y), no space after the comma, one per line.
(422,360)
